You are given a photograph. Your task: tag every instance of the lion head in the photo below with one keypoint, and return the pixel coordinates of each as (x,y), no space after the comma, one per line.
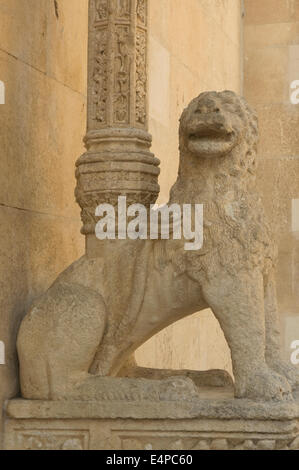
(215,123)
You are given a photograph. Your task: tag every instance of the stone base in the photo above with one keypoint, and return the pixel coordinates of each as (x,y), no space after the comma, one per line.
(214,421)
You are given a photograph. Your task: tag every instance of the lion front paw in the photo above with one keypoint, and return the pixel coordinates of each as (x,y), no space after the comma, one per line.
(263,384)
(290,372)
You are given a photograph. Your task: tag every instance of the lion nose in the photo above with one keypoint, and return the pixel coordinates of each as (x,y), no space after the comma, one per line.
(210,107)
(214,120)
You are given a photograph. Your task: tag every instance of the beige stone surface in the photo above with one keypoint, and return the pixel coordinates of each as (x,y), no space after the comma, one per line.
(55,46)
(211,423)
(271,35)
(39,157)
(270,83)
(210,403)
(23,276)
(293,66)
(268,11)
(295,10)
(18,19)
(295,216)
(272,63)
(43,65)
(207,347)
(278,182)
(278,132)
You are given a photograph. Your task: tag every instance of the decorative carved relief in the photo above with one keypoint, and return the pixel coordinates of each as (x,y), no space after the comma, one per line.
(153,442)
(118,46)
(24,438)
(141,11)
(123,9)
(52,440)
(100,77)
(101,10)
(122,76)
(89,201)
(141,77)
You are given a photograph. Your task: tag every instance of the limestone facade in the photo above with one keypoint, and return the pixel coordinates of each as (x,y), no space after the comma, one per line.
(43,64)
(271,66)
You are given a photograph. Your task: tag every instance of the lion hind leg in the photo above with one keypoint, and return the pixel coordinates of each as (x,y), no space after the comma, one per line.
(58,339)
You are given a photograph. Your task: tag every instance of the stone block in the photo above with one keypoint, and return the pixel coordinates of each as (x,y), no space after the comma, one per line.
(208,424)
(39,158)
(278,132)
(265,79)
(267,11)
(270,35)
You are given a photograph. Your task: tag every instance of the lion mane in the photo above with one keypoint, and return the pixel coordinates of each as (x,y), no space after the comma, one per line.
(235,232)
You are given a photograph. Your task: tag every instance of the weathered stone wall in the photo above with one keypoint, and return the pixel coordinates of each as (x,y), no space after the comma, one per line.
(271,58)
(43,65)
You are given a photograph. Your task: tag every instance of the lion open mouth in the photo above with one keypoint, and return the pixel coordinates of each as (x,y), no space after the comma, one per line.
(208,134)
(214,138)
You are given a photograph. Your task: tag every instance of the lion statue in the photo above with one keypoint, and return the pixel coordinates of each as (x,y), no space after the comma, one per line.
(79,336)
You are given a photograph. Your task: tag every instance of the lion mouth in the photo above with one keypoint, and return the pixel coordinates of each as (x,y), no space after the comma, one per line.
(211,134)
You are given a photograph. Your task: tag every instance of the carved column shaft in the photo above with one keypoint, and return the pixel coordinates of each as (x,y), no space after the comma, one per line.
(117,64)
(118,160)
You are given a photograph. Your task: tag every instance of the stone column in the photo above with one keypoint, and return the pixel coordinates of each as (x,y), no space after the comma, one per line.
(118,160)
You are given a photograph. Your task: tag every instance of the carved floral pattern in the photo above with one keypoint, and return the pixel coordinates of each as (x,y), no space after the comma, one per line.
(52,440)
(89,201)
(101,10)
(73,439)
(114,53)
(100,78)
(141,78)
(123,9)
(141,11)
(122,76)
(181,443)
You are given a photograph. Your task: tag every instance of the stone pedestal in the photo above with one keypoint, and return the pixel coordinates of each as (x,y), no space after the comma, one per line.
(215,421)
